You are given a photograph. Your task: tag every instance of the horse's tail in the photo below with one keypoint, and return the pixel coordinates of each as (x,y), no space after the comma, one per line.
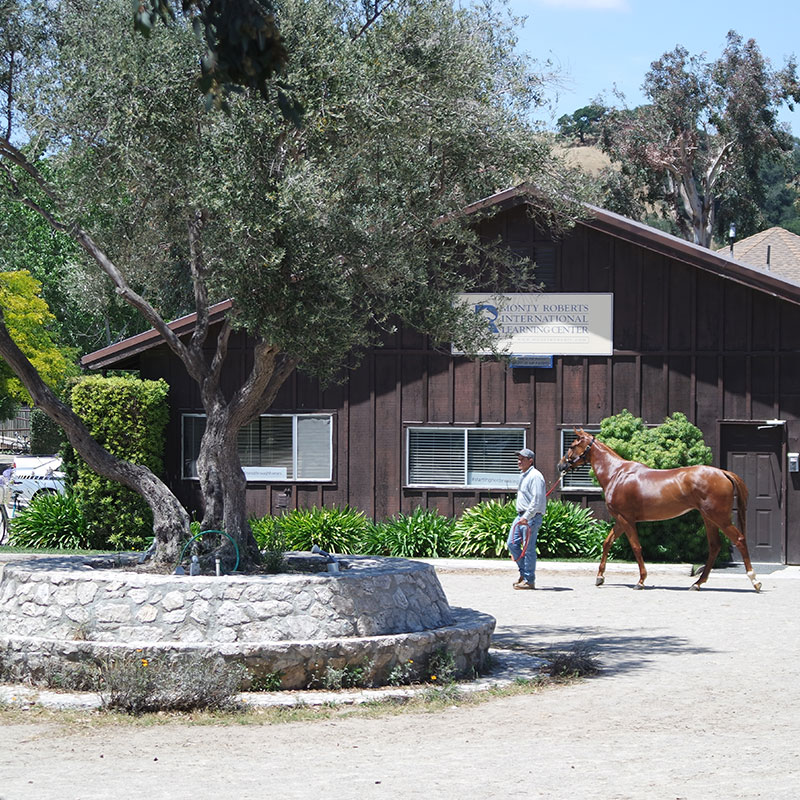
(742,494)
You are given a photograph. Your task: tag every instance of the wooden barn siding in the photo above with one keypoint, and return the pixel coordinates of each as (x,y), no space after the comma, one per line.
(685,341)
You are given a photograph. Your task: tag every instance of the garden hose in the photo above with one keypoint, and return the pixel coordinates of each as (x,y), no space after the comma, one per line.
(221,533)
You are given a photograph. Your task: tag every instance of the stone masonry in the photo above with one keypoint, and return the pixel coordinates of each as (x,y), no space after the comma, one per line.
(378,610)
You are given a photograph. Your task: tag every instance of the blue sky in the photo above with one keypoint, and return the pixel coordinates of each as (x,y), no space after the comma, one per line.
(596,44)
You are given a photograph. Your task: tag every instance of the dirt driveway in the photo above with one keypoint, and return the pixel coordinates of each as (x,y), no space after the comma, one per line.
(699,698)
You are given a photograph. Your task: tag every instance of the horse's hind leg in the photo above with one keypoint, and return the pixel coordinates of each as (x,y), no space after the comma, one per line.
(714,546)
(609,540)
(738,538)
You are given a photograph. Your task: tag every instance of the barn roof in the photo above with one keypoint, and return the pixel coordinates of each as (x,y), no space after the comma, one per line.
(666,244)
(786,287)
(133,345)
(773,250)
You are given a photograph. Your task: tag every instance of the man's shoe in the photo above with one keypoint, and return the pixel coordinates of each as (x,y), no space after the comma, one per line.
(518,581)
(524,585)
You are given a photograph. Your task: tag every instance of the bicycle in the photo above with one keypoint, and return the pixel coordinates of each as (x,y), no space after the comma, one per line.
(8,510)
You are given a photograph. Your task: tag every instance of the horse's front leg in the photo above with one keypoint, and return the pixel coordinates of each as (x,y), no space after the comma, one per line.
(609,540)
(636,546)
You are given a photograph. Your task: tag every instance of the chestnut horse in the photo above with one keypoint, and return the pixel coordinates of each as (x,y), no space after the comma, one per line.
(635,493)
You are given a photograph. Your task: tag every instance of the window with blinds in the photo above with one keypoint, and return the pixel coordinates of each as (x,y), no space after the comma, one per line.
(297,447)
(471,457)
(580,478)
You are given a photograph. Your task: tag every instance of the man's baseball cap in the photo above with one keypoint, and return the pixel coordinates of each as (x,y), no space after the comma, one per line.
(526,452)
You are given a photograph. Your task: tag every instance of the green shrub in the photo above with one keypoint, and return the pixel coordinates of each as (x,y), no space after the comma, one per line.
(348,676)
(404,674)
(337,530)
(674,443)
(52,521)
(263,530)
(138,684)
(482,531)
(441,667)
(271,542)
(423,534)
(128,417)
(570,531)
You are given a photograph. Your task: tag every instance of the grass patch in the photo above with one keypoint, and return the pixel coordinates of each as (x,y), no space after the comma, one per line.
(50,551)
(431,699)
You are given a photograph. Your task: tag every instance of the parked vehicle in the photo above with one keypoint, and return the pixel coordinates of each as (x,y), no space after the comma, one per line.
(24,479)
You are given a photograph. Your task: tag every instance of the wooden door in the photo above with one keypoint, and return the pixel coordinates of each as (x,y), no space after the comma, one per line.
(755,453)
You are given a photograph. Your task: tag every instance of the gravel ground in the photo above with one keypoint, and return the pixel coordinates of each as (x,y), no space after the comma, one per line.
(698,698)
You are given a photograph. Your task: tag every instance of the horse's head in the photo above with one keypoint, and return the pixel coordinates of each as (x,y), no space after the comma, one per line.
(578,452)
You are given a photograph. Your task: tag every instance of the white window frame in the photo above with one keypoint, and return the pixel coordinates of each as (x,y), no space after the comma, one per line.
(261,474)
(509,484)
(579,479)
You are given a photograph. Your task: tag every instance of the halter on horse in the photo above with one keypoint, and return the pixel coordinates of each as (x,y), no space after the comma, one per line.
(635,493)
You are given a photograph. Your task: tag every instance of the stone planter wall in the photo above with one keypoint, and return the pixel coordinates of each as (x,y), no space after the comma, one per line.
(376,612)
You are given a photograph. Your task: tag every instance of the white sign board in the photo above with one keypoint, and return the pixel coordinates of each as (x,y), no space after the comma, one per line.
(265,473)
(548,324)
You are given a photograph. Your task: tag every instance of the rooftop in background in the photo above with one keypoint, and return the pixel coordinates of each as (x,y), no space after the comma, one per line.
(774,250)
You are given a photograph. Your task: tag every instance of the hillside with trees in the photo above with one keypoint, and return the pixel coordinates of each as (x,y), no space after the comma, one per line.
(706,151)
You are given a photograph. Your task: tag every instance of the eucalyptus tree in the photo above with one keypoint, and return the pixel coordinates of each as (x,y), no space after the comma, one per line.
(323,232)
(700,141)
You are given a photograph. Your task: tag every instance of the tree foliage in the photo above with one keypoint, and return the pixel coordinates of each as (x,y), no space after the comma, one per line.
(87,313)
(700,142)
(242,46)
(782,192)
(323,235)
(582,123)
(29,320)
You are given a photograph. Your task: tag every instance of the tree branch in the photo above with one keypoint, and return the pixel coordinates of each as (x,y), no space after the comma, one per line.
(10,153)
(10,94)
(270,370)
(198,270)
(716,165)
(372,18)
(191,357)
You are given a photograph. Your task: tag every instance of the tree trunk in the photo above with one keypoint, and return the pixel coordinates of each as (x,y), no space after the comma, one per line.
(223,486)
(170,520)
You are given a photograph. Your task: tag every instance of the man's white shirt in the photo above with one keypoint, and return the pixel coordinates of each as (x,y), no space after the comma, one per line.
(531,494)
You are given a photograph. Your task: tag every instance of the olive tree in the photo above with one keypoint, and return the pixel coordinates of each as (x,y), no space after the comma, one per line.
(323,232)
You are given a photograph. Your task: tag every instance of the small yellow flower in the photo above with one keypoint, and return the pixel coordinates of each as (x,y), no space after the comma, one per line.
(433,677)
(145,662)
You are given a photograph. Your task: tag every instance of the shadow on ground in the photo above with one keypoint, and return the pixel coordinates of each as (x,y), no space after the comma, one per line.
(616,652)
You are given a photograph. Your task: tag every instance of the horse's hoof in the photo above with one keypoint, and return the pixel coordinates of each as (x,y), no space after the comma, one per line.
(639,586)
(757,586)
(599,580)
(695,587)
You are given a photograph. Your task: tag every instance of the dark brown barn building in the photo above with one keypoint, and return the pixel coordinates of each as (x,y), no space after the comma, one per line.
(693,331)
